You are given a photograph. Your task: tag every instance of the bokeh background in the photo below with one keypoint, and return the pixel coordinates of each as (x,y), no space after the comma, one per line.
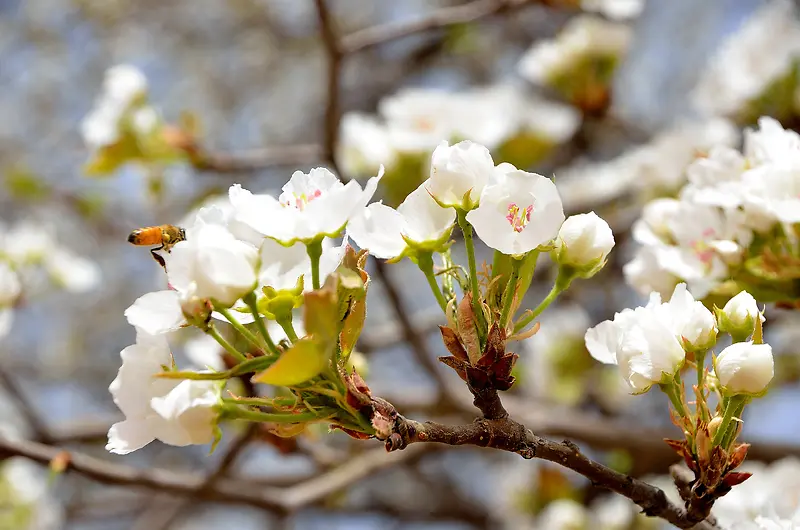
(253,74)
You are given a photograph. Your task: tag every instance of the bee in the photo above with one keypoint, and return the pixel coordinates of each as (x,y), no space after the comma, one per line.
(165,235)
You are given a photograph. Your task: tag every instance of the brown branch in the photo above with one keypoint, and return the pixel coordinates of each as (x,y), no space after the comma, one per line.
(335,55)
(26,408)
(257,159)
(508,435)
(224,490)
(439,19)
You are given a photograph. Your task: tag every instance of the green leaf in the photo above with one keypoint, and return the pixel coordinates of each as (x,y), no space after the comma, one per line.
(303,361)
(21,183)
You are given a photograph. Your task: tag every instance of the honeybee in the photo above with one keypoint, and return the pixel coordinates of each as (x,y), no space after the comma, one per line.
(165,235)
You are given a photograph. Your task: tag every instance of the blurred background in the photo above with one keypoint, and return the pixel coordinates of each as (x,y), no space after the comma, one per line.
(613,97)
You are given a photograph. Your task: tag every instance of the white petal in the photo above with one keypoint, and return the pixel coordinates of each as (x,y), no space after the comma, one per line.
(157,312)
(603,341)
(127,436)
(379,229)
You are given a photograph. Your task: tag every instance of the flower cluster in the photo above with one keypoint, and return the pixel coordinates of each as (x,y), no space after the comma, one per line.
(27,248)
(652,345)
(123,127)
(580,62)
(647,171)
(518,127)
(247,266)
(735,219)
(755,70)
(614,9)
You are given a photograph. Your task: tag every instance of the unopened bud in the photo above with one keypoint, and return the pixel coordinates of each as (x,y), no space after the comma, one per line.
(738,317)
(583,243)
(745,368)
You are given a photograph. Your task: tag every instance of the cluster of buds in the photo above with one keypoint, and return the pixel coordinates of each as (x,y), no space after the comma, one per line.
(657,344)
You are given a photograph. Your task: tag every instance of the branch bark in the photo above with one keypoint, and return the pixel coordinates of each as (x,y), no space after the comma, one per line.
(335,55)
(508,435)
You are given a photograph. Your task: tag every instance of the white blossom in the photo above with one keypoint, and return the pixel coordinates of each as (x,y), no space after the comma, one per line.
(645,274)
(122,85)
(518,212)
(10,287)
(759,53)
(584,240)
(75,273)
(459,171)
(387,232)
(364,145)
(175,412)
(312,205)
(745,368)
(615,9)
(212,263)
(157,312)
(740,314)
(647,343)
(583,36)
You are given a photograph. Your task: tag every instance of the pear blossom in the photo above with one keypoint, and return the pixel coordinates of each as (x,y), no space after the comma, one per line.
(459,171)
(75,273)
(122,85)
(157,312)
(175,412)
(614,9)
(584,240)
(647,343)
(363,145)
(739,315)
(745,368)
(770,143)
(692,322)
(645,274)
(312,205)
(563,514)
(518,212)
(583,36)
(758,54)
(212,262)
(388,233)
(10,287)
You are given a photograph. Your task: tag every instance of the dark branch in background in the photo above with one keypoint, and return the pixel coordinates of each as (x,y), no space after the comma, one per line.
(257,159)
(40,430)
(224,490)
(438,19)
(334,55)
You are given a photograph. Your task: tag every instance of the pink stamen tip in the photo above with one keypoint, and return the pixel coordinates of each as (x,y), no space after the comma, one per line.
(518,218)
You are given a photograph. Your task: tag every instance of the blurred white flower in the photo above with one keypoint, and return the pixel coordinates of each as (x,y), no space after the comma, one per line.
(212,263)
(312,205)
(518,211)
(745,368)
(563,514)
(387,232)
(28,503)
(583,36)
(615,9)
(122,85)
(459,171)
(75,273)
(770,492)
(715,180)
(584,240)
(175,412)
(645,273)
(204,352)
(26,242)
(10,287)
(770,143)
(364,145)
(755,56)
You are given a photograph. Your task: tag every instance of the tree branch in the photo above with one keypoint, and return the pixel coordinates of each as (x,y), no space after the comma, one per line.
(335,56)
(508,435)
(438,19)
(256,159)
(224,490)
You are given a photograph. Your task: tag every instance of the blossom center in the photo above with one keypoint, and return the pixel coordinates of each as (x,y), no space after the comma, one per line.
(702,249)
(424,124)
(302,200)
(518,217)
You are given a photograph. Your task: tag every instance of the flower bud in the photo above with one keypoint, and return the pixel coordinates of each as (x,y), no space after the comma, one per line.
(738,317)
(745,368)
(584,242)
